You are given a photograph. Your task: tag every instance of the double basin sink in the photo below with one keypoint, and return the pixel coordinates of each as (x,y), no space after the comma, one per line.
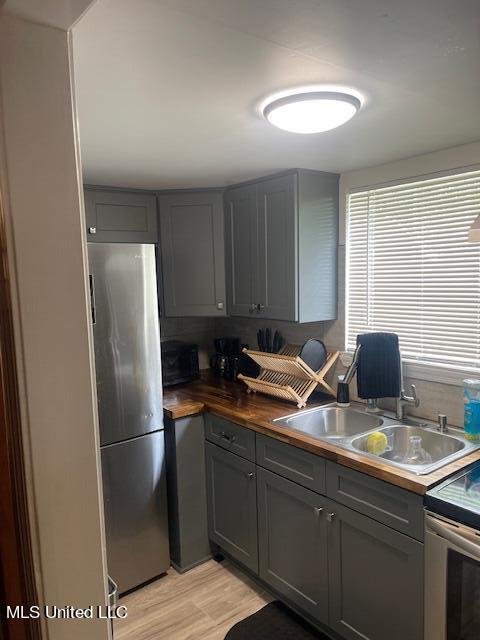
(350,428)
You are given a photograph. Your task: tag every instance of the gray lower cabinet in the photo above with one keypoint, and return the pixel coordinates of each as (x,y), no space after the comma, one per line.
(232,504)
(345,567)
(193,253)
(120,216)
(186,492)
(376,579)
(292,542)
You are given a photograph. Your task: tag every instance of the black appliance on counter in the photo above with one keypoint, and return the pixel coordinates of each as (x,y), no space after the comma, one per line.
(179,362)
(226,360)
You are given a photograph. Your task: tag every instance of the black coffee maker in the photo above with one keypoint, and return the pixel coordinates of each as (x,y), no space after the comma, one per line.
(226,360)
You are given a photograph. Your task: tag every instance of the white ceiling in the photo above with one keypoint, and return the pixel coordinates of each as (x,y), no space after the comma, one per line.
(169,90)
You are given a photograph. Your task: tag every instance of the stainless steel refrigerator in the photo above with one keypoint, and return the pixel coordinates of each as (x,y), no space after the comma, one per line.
(129,388)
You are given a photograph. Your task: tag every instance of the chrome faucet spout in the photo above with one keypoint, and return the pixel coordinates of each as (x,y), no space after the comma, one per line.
(348,377)
(403,400)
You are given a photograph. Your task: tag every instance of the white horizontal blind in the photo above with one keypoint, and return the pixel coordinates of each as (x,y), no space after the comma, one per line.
(411,269)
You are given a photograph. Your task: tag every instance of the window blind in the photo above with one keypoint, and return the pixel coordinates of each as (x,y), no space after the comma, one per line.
(411,269)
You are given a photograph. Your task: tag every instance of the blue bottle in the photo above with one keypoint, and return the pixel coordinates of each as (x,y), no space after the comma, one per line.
(471,403)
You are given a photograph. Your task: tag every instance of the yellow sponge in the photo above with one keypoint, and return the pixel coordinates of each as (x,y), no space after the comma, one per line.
(377,443)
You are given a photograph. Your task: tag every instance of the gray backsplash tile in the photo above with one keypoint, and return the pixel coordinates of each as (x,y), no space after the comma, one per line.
(199,331)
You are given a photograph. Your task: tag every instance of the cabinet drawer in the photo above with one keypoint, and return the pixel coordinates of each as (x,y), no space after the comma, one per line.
(230,436)
(395,507)
(300,466)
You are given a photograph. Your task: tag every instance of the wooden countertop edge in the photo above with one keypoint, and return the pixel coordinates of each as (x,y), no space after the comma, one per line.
(185,406)
(398,477)
(184,409)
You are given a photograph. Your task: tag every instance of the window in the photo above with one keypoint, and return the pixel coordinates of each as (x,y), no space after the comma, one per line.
(411,269)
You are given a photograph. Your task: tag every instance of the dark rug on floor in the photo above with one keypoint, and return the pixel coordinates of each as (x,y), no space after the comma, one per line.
(274,622)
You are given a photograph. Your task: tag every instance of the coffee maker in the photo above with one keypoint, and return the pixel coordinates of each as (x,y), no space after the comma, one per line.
(227,357)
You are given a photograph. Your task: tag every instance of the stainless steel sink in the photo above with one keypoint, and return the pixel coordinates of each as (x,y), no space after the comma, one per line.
(440,448)
(330,422)
(350,428)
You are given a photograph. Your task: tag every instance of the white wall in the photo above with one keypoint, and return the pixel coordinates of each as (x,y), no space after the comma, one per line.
(41,189)
(55,13)
(444,160)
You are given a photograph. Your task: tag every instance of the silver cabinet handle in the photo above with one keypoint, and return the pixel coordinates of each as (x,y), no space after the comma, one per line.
(92,230)
(250,475)
(330,517)
(318,510)
(252,308)
(225,436)
(260,307)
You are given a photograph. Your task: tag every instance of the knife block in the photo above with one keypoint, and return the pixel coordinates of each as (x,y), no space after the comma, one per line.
(285,375)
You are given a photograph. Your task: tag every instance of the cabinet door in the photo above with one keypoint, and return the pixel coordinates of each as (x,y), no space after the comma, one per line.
(376,579)
(292,542)
(193,254)
(120,216)
(241,250)
(277,252)
(232,504)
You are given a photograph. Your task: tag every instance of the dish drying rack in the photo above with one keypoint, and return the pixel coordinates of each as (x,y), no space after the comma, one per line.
(285,375)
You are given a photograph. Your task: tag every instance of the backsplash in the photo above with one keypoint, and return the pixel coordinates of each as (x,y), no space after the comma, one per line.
(247,329)
(199,331)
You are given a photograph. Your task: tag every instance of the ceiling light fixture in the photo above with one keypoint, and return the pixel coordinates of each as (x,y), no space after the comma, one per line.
(312,112)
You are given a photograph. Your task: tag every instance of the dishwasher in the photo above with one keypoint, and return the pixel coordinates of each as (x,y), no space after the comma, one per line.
(452,558)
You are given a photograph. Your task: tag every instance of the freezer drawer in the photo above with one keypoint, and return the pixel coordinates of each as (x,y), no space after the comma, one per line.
(134,487)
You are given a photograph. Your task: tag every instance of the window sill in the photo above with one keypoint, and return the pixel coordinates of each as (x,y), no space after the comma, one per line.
(438,373)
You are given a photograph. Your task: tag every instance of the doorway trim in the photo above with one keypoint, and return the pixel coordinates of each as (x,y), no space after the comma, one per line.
(17,576)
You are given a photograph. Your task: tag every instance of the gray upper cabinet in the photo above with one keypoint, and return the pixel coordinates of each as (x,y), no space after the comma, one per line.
(376,579)
(120,216)
(277,248)
(193,253)
(232,504)
(292,542)
(241,249)
(282,236)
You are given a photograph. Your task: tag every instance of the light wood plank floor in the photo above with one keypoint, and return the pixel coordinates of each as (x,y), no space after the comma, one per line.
(202,604)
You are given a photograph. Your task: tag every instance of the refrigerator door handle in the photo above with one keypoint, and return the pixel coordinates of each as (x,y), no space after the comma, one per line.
(92,297)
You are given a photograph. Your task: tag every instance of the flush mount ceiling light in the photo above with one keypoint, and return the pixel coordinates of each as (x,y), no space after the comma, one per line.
(312,112)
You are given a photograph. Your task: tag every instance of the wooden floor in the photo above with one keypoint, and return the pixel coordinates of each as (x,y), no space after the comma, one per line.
(202,604)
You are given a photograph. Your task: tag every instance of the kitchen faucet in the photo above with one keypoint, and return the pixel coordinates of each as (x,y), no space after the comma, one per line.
(343,394)
(403,400)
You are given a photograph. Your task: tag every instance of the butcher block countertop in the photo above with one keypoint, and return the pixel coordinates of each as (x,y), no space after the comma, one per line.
(254,411)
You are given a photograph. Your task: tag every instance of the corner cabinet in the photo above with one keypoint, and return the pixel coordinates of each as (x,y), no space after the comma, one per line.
(281,247)
(193,253)
(120,216)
